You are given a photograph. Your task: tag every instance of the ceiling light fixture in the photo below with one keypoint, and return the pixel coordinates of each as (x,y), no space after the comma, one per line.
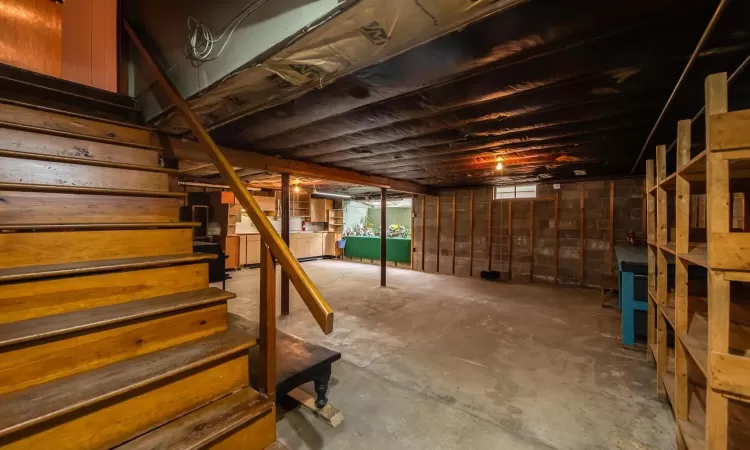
(499,166)
(330,194)
(296,188)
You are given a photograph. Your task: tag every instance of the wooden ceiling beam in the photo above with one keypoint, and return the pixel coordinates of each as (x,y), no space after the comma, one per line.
(252,160)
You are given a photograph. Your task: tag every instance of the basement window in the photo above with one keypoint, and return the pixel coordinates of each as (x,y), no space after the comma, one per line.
(516,191)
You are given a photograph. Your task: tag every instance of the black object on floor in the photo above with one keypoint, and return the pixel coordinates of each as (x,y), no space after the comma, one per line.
(494,275)
(216,267)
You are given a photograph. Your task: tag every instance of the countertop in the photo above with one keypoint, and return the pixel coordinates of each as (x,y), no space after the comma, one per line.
(292,232)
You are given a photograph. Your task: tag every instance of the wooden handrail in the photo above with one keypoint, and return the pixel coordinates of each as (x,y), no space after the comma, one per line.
(289,264)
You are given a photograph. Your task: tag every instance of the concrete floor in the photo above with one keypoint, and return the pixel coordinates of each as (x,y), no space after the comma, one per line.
(440,362)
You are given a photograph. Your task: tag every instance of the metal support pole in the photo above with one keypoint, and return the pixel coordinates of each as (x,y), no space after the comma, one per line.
(383,229)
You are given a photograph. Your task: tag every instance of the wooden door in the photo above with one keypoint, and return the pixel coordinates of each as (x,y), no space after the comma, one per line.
(31,36)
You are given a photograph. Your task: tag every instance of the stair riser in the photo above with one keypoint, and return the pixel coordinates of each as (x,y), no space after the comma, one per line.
(16,170)
(39,362)
(29,300)
(34,207)
(109,424)
(29,249)
(26,142)
(256,435)
(62,123)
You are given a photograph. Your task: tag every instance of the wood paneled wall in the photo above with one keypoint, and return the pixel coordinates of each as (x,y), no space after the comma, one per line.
(31,35)
(76,41)
(89,43)
(566,235)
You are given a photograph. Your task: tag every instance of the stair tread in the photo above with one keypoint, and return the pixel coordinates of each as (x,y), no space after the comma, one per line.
(106,265)
(49,326)
(4,186)
(31,406)
(205,425)
(97,226)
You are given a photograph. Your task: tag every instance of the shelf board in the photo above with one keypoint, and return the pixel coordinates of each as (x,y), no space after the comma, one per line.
(692,430)
(652,243)
(652,294)
(669,248)
(669,183)
(695,169)
(696,255)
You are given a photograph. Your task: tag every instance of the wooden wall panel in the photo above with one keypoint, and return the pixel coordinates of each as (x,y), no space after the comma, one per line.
(551,250)
(89,43)
(31,35)
(104,45)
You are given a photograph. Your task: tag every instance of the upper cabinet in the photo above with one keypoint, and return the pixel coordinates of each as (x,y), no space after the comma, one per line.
(318,210)
(267,204)
(227,197)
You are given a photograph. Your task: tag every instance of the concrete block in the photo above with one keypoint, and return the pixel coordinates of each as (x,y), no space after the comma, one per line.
(568,253)
(596,244)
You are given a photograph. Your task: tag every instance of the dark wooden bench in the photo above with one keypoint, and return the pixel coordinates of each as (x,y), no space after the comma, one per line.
(297,362)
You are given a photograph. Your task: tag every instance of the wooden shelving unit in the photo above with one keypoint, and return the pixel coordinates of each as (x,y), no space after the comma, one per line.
(300,204)
(706,377)
(336,220)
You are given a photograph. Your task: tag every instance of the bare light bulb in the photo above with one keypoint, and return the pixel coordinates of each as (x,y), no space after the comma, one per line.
(296,188)
(499,166)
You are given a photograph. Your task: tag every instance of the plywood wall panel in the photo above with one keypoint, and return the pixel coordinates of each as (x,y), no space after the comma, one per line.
(89,43)
(30,35)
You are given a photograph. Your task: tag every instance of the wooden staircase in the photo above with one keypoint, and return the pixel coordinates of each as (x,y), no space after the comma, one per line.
(110,336)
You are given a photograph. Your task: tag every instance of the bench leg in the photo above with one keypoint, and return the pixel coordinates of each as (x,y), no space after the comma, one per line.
(321,387)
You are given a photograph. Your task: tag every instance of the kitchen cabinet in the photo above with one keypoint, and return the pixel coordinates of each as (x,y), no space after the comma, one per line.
(318,210)
(253,249)
(231,247)
(227,198)
(267,204)
(316,244)
(243,250)
(298,245)
(329,244)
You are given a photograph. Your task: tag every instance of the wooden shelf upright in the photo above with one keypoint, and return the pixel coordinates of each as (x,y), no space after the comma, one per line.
(706,377)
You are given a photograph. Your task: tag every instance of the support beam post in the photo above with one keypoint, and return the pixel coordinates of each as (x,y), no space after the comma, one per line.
(383,234)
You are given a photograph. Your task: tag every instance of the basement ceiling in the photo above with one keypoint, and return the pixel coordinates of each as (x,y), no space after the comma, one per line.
(546,87)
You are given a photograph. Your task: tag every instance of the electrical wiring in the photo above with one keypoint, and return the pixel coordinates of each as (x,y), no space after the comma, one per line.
(202,41)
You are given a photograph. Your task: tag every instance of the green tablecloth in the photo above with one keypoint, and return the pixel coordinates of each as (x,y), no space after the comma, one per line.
(396,249)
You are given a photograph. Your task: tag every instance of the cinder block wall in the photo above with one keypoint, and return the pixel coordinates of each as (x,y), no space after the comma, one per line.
(459,243)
